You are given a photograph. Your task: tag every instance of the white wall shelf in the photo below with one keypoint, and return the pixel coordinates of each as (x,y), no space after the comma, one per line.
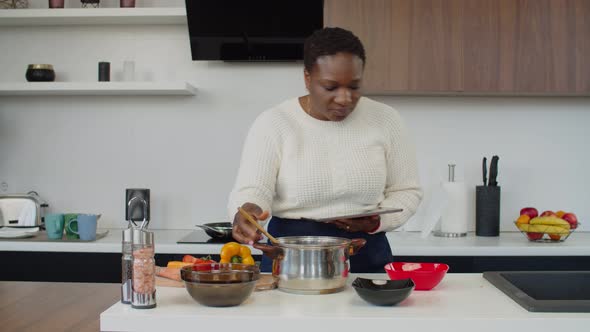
(92,16)
(97,89)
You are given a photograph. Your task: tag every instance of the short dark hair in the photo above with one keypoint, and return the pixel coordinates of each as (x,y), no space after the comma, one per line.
(329,41)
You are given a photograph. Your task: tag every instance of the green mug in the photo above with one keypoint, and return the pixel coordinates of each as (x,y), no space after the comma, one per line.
(71,219)
(54,225)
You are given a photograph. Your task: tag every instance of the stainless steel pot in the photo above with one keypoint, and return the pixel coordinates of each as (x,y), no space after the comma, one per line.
(311,264)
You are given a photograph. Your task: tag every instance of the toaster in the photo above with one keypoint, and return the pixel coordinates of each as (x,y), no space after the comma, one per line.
(21,210)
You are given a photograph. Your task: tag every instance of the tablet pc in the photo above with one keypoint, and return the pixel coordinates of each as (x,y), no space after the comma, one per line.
(363,214)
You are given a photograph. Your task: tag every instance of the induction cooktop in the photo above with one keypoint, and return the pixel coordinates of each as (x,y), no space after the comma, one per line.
(199,236)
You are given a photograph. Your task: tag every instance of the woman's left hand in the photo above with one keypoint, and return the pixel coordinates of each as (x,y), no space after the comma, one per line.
(364,224)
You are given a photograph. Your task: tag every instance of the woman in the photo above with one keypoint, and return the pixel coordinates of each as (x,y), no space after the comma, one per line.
(329,153)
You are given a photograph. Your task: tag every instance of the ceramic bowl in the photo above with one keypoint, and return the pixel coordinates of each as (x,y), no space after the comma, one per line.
(425,275)
(40,73)
(383,292)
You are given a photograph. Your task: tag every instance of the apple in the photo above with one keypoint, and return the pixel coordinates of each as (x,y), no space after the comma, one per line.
(534,236)
(548,213)
(571,219)
(529,211)
(555,237)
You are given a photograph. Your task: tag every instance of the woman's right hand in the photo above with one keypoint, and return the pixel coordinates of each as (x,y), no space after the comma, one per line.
(243,231)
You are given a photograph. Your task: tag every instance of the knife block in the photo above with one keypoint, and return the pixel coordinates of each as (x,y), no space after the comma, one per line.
(487,210)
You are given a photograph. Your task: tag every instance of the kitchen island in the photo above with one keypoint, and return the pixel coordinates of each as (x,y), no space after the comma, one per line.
(462,302)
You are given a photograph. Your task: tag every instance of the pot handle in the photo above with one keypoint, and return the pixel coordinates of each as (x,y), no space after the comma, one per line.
(273,252)
(355,246)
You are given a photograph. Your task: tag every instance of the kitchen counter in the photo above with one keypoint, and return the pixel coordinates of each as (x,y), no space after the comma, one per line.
(52,306)
(402,243)
(462,302)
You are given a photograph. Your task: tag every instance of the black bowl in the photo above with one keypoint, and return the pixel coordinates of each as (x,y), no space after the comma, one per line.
(384,292)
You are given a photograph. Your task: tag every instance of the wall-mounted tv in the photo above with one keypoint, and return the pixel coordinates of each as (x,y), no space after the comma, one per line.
(251,30)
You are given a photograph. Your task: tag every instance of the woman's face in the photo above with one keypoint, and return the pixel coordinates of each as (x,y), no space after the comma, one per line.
(334,86)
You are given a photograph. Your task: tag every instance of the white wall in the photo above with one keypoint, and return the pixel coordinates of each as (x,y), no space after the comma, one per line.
(80,153)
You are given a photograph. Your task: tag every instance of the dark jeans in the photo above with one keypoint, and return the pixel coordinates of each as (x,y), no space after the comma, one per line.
(370,259)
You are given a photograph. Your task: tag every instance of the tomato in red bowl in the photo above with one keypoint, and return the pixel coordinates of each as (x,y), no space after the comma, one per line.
(425,275)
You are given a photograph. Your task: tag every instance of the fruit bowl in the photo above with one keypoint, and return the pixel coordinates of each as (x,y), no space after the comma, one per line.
(548,226)
(544,233)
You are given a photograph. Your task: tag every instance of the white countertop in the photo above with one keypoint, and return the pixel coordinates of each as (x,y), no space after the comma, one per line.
(461,302)
(402,244)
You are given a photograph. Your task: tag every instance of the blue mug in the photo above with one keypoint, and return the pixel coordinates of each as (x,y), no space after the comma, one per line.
(86,227)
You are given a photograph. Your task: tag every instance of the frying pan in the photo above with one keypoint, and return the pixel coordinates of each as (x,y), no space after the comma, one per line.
(217,230)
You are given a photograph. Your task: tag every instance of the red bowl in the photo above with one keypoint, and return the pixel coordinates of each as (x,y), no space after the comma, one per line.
(425,275)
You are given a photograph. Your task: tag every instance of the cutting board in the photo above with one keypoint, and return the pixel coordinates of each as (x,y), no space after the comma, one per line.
(165,282)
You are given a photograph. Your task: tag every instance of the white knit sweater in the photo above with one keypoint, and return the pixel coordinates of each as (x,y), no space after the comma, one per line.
(296,166)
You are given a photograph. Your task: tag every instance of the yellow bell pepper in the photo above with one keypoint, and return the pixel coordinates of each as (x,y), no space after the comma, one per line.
(233,252)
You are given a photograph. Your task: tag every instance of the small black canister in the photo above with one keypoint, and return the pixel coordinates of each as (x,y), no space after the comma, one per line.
(40,73)
(104,71)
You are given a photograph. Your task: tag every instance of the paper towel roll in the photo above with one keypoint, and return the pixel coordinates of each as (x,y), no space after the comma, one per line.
(455,215)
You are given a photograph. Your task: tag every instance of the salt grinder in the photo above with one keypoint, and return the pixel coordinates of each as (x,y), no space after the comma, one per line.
(144,269)
(127,251)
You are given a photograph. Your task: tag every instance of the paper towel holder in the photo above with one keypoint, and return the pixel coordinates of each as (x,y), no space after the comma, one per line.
(438,232)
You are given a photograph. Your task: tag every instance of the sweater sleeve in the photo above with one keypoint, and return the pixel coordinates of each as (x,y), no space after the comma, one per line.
(402,188)
(255,182)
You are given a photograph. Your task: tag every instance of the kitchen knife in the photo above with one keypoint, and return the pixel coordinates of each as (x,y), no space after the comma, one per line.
(494,171)
(484,169)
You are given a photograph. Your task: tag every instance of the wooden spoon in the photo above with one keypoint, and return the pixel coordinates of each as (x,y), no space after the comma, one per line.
(255,223)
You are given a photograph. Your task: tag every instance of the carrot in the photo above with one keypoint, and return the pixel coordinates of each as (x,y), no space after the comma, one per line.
(177,264)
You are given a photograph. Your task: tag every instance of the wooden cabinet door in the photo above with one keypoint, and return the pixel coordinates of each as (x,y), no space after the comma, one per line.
(527,46)
(475,46)
(411,45)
